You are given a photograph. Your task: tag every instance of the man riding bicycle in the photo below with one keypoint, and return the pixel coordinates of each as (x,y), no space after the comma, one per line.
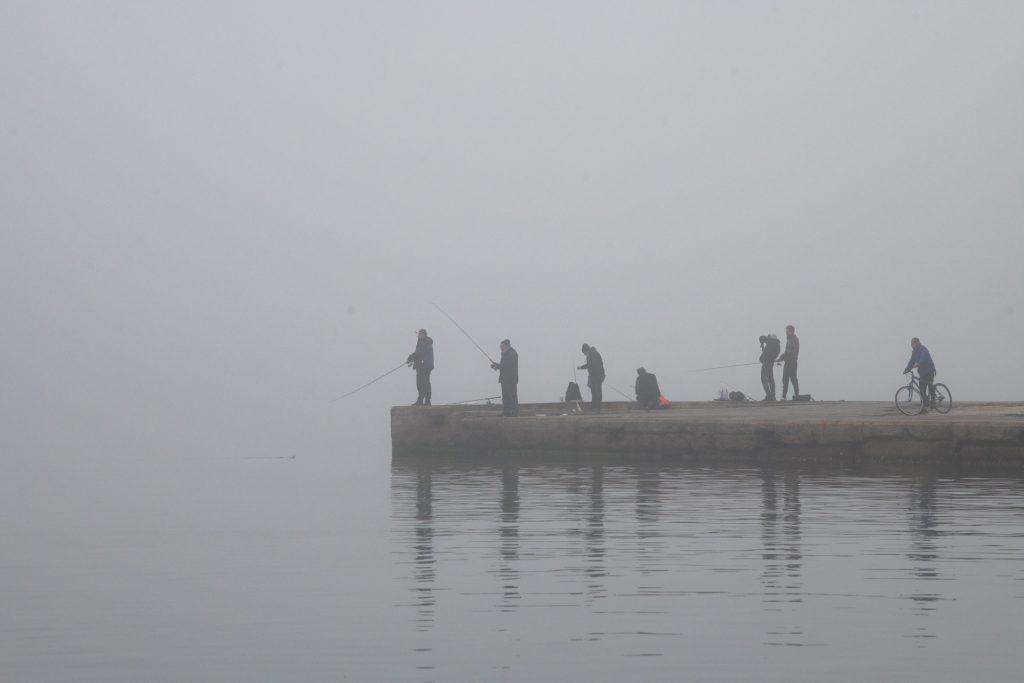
(921,359)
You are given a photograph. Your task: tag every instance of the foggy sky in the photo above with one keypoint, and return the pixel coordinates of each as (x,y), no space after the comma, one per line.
(217,218)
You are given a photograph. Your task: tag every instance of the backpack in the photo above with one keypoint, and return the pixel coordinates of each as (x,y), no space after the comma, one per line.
(572,392)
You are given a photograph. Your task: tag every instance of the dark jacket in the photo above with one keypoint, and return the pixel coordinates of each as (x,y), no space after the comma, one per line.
(921,356)
(508,367)
(792,349)
(647,390)
(594,367)
(423,357)
(770,349)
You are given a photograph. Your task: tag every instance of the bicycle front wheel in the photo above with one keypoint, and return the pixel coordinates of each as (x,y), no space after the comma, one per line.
(943,401)
(908,400)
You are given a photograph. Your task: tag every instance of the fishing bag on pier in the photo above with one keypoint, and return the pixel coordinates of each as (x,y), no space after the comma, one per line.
(572,392)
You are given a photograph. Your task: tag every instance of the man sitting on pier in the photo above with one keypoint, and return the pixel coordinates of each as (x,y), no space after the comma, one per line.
(647,391)
(595,375)
(422,361)
(508,378)
(921,359)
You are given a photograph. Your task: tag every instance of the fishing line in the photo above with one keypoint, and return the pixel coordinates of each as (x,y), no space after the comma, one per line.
(723,367)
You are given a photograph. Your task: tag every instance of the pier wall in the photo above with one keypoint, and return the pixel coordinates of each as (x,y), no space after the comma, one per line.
(816,430)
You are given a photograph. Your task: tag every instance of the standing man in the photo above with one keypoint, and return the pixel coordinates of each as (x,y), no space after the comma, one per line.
(789,357)
(422,361)
(508,378)
(770,348)
(595,375)
(921,359)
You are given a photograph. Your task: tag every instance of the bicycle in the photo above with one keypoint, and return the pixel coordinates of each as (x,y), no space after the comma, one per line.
(908,398)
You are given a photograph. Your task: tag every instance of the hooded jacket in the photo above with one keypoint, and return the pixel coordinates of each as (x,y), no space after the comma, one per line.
(423,357)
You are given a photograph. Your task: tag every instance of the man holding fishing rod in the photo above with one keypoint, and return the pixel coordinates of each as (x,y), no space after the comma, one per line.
(595,375)
(508,378)
(770,347)
(422,361)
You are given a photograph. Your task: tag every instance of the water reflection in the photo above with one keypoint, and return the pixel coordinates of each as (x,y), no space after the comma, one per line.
(638,555)
(924,550)
(509,536)
(423,549)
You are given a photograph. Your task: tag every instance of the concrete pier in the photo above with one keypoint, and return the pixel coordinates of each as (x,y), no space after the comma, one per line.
(818,430)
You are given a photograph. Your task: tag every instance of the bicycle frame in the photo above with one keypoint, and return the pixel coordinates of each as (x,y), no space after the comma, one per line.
(915,385)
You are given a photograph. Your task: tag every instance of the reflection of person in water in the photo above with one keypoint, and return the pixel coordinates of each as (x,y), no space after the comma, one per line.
(780,538)
(509,548)
(423,570)
(650,547)
(923,552)
(594,534)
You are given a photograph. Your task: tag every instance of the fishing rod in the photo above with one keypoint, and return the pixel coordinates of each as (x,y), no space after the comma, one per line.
(723,367)
(628,398)
(474,400)
(479,348)
(375,379)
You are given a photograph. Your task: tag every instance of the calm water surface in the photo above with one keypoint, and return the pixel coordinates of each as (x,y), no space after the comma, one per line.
(127,569)
(605,571)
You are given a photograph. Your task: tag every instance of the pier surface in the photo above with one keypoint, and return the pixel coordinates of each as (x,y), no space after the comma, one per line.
(850,430)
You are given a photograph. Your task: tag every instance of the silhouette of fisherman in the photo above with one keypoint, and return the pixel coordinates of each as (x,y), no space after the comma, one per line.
(647,391)
(422,361)
(508,378)
(788,359)
(595,375)
(770,347)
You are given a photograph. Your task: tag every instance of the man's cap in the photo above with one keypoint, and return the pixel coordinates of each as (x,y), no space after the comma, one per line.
(640,371)
(506,341)
(422,330)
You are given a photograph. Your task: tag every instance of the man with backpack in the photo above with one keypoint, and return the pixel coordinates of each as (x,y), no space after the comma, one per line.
(770,347)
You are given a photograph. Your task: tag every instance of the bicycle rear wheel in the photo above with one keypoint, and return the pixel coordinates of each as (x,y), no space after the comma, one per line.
(908,400)
(943,401)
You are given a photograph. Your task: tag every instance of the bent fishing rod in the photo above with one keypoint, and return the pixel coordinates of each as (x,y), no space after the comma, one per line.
(479,348)
(474,400)
(372,381)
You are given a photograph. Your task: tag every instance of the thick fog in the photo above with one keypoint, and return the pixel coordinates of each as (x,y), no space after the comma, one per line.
(217,218)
